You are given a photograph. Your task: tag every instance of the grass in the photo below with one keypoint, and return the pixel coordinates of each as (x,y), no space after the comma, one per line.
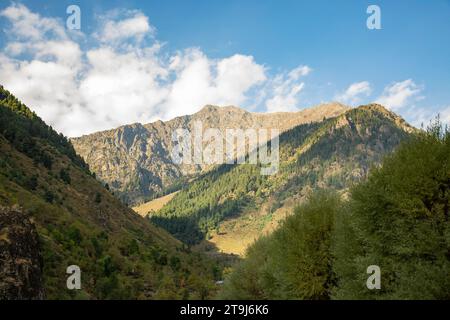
(236,234)
(153,205)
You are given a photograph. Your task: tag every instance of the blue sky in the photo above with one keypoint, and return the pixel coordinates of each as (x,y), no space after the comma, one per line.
(136,61)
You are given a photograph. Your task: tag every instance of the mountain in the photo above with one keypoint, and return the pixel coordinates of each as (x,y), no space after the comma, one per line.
(54,214)
(233,204)
(135,160)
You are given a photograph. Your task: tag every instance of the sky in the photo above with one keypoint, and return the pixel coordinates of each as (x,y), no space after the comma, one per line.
(139,61)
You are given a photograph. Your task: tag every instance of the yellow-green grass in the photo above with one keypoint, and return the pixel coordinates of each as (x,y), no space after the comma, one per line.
(153,205)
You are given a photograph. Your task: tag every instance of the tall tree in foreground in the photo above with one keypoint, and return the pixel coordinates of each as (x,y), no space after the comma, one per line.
(399,220)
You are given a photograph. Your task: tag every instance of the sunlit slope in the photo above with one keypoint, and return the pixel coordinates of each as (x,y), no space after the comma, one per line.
(334,153)
(153,205)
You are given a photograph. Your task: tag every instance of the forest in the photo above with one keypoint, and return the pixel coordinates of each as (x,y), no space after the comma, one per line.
(398,219)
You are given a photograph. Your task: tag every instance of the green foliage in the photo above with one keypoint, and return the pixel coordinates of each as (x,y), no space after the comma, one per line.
(74,234)
(98,197)
(49,196)
(175,263)
(64,175)
(399,220)
(32,182)
(295,262)
(21,127)
(131,248)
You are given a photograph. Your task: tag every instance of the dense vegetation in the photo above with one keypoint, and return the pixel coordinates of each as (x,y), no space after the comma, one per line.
(21,127)
(294,261)
(398,220)
(335,153)
(121,255)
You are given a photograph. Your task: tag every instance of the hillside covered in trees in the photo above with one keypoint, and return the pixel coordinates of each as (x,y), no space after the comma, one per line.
(397,220)
(54,214)
(334,153)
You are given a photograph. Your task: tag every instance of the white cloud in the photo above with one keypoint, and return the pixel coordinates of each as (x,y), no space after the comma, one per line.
(398,94)
(355,92)
(135,26)
(298,72)
(31,26)
(418,116)
(445,115)
(200,80)
(285,89)
(423,116)
(127,77)
(237,74)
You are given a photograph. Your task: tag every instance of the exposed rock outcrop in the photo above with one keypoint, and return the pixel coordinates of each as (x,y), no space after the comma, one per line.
(20,257)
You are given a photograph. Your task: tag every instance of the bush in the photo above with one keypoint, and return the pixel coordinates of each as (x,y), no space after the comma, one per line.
(65,176)
(98,197)
(32,183)
(49,196)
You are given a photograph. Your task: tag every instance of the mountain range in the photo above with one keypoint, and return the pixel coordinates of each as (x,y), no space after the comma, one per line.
(135,160)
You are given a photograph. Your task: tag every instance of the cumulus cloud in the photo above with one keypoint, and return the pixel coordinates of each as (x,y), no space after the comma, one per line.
(399,94)
(423,116)
(127,77)
(355,92)
(136,25)
(31,26)
(285,90)
(201,81)
(48,81)
(445,115)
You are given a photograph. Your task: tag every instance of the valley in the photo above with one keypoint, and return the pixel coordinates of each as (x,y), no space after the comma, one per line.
(227,208)
(331,154)
(228,157)
(203,235)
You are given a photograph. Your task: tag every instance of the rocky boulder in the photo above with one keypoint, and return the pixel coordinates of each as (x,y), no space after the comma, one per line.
(20,257)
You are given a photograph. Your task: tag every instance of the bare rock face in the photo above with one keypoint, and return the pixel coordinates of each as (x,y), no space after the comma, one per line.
(20,258)
(135,160)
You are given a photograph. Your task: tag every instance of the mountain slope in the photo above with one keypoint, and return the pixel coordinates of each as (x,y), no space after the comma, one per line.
(334,153)
(78,221)
(135,159)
